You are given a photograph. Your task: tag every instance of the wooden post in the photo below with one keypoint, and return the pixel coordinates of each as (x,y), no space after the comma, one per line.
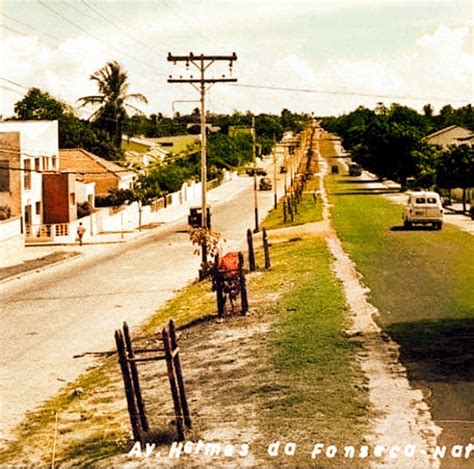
(129,393)
(251,251)
(179,375)
(290,210)
(243,286)
(174,390)
(135,379)
(284,211)
(295,203)
(219,289)
(266,249)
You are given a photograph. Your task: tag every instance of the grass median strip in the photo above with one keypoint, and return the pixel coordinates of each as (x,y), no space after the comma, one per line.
(309,210)
(317,392)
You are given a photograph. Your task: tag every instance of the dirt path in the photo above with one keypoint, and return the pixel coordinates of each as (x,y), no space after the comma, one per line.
(222,377)
(403,416)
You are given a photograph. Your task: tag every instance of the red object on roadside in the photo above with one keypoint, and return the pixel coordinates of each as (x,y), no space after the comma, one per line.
(229,262)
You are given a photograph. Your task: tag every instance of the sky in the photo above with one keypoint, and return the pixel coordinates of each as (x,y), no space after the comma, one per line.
(325,57)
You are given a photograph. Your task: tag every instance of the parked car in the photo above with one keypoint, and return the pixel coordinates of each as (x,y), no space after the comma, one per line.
(265,184)
(423,208)
(355,169)
(258,171)
(283,170)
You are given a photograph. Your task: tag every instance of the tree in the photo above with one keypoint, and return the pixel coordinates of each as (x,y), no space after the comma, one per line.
(456,169)
(38,105)
(73,132)
(112,81)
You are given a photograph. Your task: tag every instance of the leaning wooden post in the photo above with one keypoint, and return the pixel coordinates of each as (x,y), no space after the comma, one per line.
(251,251)
(174,390)
(243,286)
(266,249)
(179,374)
(218,286)
(290,211)
(284,211)
(129,393)
(135,379)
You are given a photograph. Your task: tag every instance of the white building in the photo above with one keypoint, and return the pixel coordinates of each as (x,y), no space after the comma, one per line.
(27,148)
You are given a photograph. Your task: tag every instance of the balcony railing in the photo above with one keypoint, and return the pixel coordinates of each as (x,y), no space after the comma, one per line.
(46,232)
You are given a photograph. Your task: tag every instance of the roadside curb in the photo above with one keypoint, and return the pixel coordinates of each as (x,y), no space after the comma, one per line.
(20,275)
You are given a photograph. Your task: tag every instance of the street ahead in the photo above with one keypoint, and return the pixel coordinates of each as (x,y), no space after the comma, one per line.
(75,307)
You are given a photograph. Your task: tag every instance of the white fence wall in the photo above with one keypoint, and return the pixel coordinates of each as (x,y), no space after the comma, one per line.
(12,241)
(126,218)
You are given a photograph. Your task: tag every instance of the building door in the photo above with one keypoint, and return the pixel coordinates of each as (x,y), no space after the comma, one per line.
(28,215)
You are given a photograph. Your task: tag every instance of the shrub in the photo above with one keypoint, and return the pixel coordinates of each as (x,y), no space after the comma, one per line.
(84,209)
(5,212)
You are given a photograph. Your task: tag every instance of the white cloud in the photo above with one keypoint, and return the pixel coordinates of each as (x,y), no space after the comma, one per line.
(438,65)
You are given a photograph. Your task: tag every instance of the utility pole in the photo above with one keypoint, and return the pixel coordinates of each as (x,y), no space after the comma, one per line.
(202,63)
(255,188)
(275,196)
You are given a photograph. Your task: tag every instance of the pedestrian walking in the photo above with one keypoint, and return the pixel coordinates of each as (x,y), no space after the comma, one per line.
(80,233)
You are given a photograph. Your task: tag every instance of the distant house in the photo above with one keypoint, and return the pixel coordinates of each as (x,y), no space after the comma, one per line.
(90,168)
(452,135)
(145,151)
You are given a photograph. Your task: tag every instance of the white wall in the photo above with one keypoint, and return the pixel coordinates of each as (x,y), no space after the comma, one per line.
(12,241)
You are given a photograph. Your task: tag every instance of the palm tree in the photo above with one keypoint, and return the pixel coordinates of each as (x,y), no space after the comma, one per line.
(112,81)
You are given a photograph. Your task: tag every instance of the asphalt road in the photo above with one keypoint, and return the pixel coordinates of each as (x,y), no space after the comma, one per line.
(75,307)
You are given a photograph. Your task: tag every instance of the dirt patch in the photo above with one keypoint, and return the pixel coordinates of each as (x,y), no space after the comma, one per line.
(404,418)
(223,365)
(35,264)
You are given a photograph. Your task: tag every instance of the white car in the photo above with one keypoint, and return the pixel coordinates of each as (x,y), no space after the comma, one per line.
(423,208)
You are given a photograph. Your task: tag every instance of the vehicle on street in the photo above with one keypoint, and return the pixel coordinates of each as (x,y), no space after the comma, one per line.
(355,169)
(258,171)
(423,208)
(265,184)
(283,170)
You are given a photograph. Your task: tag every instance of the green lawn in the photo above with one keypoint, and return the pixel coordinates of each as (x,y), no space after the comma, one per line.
(413,275)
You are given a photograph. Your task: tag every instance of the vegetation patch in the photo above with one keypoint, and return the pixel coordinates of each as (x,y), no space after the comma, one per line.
(35,264)
(309,209)
(421,282)
(316,393)
(417,274)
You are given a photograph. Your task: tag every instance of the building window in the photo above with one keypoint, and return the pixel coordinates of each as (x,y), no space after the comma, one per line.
(37,164)
(45,163)
(38,208)
(4,176)
(72,198)
(27,174)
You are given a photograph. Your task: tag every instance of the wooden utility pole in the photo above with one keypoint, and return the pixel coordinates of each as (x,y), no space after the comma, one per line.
(202,63)
(255,188)
(275,196)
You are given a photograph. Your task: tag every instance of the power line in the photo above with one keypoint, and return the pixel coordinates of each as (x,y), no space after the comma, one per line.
(345,93)
(67,20)
(118,28)
(186,23)
(28,26)
(14,83)
(11,89)
(11,29)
